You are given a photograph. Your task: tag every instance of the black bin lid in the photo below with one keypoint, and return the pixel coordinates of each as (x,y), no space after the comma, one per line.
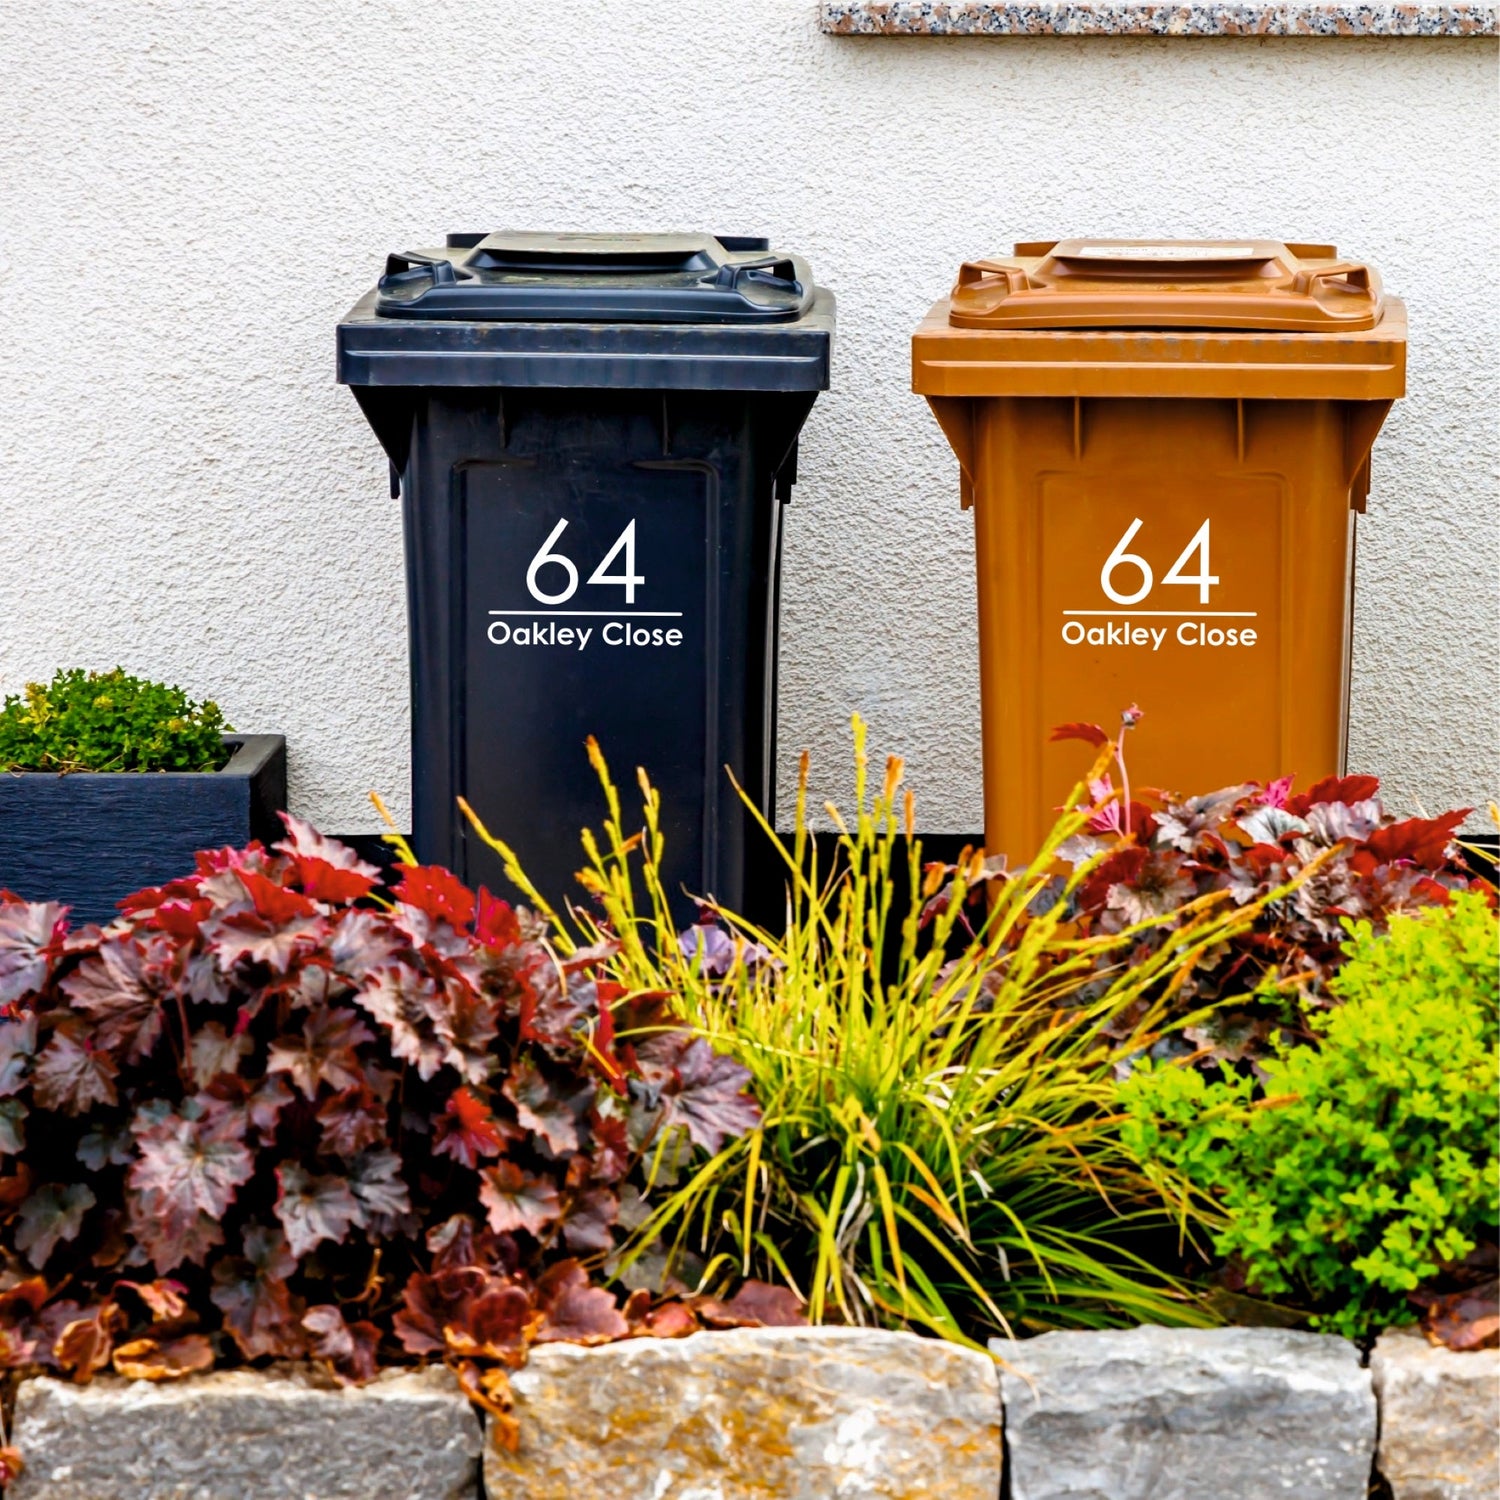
(596,278)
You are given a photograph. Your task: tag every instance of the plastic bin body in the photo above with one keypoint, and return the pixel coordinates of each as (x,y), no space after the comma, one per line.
(648,620)
(1232,463)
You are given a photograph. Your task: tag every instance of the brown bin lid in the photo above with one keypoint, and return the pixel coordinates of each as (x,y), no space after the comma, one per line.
(1168,284)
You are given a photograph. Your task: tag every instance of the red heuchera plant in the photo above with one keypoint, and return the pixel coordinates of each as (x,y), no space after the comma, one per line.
(1154,856)
(262,1116)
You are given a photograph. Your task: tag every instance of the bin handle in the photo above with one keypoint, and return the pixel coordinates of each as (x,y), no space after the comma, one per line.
(1358,277)
(974,271)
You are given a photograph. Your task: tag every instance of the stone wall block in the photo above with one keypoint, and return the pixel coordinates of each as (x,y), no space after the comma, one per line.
(754,1414)
(1187,1414)
(240,1434)
(1439,1418)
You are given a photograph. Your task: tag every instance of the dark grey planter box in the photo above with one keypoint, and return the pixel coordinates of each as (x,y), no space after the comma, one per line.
(90,838)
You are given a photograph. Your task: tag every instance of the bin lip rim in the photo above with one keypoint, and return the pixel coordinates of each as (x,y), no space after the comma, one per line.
(1171,363)
(817,320)
(769,358)
(1390,326)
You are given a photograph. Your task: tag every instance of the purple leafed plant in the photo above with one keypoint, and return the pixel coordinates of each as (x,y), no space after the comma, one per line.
(266,1114)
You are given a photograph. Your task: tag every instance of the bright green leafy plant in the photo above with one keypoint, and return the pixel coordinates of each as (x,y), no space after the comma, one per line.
(1367,1164)
(939,1145)
(109,721)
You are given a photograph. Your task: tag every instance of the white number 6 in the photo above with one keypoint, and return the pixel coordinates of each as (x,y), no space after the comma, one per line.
(545,555)
(1120,555)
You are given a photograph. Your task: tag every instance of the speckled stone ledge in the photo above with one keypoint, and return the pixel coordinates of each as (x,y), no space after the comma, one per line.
(1312,18)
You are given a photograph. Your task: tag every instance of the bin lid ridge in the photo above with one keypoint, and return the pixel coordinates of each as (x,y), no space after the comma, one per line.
(1247,283)
(513,276)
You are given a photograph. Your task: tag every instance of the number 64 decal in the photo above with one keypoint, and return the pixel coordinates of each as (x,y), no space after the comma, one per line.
(1203,578)
(546,557)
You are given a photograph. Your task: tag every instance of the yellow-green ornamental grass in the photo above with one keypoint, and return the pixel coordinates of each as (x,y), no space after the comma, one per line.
(940,1145)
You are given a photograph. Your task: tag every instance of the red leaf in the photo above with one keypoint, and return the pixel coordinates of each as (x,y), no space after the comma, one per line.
(248,936)
(1423,841)
(251,1291)
(514,1200)
(70,1075)
(111,989)
(589,1218)
(313,1209)
(275,902)
(1466,1319)
(495,922)
(51,1215)
(165,1300)
(1091,734)
(438,893)
(405,1002)
(31,934)
(17,1049)
(362,942)
(612,1153)
(167,1359)
(464,1311)
(84,1345)
(466,1130)
(325,869)
(1276,792)
(324,1053)
(171,1241)
(426,1301)
(212,1053)
(181,919)
(575,1312)
(280,924)
(540,1108)
(497,1325)
(189,1164)
(348,1349)
(1119,868)
(352,1121)
(707,1094)
(757,1304)
(383,1197)
(1346,789)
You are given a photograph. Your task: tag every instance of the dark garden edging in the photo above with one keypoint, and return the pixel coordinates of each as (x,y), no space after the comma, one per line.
(89,838)
(803,1413)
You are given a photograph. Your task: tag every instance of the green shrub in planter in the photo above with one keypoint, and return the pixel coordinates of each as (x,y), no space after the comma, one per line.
(1369,1161)
(109,721)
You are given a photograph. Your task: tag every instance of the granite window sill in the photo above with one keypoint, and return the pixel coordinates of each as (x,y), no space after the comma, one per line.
(1303,18)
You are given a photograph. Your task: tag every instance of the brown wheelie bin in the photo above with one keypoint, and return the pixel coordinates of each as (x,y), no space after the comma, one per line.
(1165,446)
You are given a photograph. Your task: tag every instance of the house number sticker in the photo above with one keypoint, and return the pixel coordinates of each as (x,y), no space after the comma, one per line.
(553,580)
(1140,616)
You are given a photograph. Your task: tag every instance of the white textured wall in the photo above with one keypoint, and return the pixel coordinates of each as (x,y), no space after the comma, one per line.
(192,193)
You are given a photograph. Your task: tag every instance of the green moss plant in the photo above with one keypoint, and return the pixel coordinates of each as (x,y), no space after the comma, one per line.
(109,721)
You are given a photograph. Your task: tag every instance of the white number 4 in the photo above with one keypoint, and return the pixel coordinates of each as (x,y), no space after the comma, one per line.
(1203,578)
(625,543)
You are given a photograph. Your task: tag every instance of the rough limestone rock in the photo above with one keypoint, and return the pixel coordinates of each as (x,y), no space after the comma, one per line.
(754,1414)
(1187,1414)
(242,1435)
(1439,1418)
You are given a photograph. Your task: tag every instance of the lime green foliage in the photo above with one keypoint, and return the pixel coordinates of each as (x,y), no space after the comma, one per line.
(940,1144)
(1372,1156)
(109,721)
